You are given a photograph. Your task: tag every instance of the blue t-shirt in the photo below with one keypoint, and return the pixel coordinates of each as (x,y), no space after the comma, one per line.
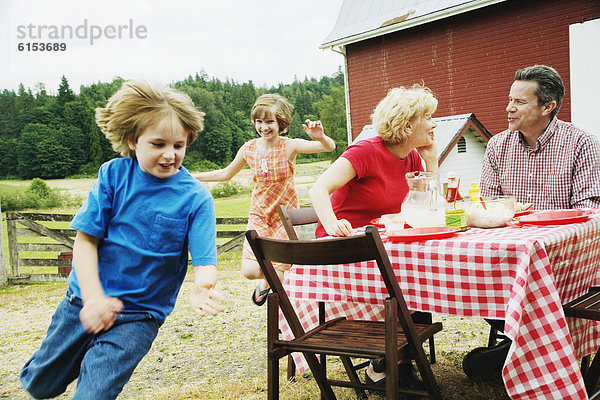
(146,224)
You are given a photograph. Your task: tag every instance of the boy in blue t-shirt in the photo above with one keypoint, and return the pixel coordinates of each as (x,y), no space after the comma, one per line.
(130,254)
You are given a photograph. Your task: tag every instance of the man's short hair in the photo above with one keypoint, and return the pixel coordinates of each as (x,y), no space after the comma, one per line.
(550,85)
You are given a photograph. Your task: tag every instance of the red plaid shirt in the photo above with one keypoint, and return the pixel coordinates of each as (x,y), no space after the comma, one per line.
(562,171)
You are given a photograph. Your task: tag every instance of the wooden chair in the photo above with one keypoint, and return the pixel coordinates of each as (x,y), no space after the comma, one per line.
(494,336)
(385,340)
(296,217)
(588,307)
(292,217)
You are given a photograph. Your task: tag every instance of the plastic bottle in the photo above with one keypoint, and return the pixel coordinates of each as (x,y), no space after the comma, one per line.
(474,192)
(455,211)
(452,194)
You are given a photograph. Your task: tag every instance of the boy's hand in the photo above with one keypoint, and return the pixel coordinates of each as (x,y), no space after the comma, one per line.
(314,129)
(204,301)
(98,314)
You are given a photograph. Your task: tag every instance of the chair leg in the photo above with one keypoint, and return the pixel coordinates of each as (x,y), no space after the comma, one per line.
(272,335)
(585,364)
(291,369)
(323,357)
(493,336)
(353,376)
(391,350)
(317,371)
(273,378)
(426,318)
(593,374)
(431,351)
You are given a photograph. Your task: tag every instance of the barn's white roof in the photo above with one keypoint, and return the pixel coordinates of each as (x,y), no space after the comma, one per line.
(446,132)
(364,19)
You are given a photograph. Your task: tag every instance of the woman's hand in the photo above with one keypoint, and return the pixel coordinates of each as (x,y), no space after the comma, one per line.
(340,228)
(429,153)
(314,129)
(99,313)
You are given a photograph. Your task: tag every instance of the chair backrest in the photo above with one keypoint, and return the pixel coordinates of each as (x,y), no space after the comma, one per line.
(343,250)
(294,217)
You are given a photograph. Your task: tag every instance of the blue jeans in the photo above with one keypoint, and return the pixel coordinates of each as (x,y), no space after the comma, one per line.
(103,363)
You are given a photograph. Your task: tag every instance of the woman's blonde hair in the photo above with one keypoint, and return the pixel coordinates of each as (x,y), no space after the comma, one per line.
(140,104)
(276,105)
(398,108)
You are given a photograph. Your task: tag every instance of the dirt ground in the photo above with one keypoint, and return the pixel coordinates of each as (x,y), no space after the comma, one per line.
(187,350)
(205,352)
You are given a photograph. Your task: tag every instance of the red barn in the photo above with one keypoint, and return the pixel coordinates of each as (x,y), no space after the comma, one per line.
(466,51)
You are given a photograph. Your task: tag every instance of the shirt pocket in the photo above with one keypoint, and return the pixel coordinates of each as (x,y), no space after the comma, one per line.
(168,234)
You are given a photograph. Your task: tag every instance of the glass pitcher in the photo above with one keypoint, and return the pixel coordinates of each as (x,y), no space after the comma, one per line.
(424,205)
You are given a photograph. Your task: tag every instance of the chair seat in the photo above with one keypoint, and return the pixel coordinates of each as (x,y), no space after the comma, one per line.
(586,306)
(352,338)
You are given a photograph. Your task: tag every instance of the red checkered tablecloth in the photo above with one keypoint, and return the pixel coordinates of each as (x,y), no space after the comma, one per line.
(522,275)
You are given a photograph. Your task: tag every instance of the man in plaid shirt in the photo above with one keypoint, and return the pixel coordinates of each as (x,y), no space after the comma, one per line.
(539,159)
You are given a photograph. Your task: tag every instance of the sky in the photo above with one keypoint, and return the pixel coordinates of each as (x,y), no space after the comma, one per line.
(265,41)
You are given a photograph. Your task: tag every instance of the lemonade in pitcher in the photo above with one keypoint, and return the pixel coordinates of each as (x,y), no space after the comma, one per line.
(424,206)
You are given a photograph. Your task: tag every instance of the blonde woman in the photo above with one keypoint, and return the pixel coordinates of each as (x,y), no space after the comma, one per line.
(368,180)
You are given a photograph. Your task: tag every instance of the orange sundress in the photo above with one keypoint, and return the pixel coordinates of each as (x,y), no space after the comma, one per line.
(273,184)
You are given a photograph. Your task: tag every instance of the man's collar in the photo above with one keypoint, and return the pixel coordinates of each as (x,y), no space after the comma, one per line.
(543,138)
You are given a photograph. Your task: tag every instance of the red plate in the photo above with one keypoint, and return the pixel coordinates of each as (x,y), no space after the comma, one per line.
(417,234)
(377,222)
(525,212)
(558,217)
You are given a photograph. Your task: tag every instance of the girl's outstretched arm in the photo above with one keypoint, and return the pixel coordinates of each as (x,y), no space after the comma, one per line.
(319,144)
(224,174)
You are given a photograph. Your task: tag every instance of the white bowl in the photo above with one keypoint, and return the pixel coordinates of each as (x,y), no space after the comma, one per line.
(497,212)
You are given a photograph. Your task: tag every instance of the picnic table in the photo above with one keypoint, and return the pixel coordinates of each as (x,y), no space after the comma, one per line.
(520,274)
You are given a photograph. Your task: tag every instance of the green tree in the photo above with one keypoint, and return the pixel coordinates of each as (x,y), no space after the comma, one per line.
(333,116)
(217,143)
(65,94)
(25,100)
(9,126)
(9,167)
(42,153)
(41,96)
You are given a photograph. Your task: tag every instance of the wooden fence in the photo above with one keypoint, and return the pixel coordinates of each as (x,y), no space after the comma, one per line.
(49,236)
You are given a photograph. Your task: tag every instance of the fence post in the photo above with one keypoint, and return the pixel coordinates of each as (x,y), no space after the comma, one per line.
(3,271)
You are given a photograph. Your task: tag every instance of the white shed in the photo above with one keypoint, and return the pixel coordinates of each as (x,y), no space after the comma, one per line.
(461,141)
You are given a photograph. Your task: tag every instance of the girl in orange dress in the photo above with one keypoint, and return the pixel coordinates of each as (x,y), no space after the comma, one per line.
(271,158)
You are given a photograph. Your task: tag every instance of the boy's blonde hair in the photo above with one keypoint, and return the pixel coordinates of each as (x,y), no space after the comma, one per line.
(398,108)
(276,105)
(140,104)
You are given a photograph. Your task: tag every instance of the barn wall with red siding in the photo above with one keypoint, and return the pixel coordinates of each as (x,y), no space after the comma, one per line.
(468,60)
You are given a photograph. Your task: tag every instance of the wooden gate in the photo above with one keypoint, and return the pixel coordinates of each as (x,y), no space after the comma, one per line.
(35,241)
(40,245)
